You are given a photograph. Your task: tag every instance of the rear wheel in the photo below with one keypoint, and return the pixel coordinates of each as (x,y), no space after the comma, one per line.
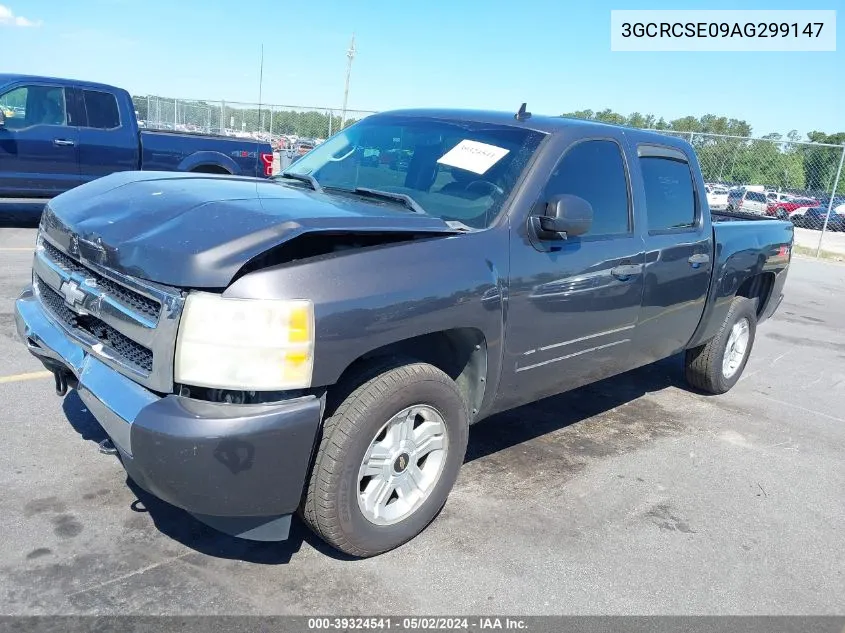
(211,169)
(388,459)
(716,366)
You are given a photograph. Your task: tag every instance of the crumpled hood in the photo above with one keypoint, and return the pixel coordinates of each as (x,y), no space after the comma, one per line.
(198,231)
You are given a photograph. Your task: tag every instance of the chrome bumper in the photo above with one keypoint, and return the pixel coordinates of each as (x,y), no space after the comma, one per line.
(111,397)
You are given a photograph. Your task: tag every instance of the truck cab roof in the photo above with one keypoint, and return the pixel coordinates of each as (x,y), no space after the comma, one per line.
(6,78)
(540,123)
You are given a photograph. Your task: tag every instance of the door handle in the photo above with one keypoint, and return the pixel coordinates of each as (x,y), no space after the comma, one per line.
(698,259)
(625,271)
(63,142)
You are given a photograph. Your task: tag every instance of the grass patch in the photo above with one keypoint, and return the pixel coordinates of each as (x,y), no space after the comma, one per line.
(806,251)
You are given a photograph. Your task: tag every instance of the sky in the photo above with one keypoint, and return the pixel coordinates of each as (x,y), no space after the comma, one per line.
(491,54)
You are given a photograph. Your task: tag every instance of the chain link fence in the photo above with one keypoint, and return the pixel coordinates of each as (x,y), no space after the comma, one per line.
(277,124)
(785,178)
(788,179)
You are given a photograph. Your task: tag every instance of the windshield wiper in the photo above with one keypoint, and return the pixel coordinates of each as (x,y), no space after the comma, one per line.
(307,178)
(404,198)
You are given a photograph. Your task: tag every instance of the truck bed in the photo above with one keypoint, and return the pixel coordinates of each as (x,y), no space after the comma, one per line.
(734,216)
(166,150)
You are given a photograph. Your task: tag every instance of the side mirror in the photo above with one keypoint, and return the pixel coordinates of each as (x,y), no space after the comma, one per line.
(566,215)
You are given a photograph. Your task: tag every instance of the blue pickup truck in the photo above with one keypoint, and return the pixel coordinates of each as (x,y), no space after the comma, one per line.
(56,134)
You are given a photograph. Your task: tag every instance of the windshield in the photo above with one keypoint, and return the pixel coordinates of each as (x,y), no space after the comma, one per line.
(454,170)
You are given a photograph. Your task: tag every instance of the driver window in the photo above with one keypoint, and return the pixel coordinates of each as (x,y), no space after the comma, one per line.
(594,170)
(26,106)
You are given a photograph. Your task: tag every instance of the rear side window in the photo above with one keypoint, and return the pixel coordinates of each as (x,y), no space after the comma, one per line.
(669,193)
(756,197)
(102,109)
(594,170)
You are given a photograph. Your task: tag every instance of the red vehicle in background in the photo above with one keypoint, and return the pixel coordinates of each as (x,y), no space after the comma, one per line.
(787,207)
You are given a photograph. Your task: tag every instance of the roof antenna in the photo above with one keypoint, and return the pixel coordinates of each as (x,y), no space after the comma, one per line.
(522,115)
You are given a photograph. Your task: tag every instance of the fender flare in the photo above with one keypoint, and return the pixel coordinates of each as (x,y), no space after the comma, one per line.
(217,159)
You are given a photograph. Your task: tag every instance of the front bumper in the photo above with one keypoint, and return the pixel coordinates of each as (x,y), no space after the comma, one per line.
(239,468)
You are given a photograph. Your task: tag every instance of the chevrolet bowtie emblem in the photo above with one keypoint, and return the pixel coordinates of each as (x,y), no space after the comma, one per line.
(72,294)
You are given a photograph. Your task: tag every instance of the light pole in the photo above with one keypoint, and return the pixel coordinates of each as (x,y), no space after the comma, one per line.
(350,54)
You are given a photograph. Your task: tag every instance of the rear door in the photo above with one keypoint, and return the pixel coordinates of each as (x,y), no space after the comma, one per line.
(106,143)
(39,150)
(679,244)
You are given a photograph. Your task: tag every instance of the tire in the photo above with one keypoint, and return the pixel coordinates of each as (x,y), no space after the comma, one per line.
(705,364)
(333,505)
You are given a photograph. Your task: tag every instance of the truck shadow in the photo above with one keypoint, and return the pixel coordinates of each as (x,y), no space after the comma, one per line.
(530,421)
(490,436)
(184,528)
(20,215)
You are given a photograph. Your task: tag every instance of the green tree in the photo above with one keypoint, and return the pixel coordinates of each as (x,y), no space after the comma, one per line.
(821,163)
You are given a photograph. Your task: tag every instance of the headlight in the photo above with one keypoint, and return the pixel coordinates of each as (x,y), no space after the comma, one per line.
(249,344)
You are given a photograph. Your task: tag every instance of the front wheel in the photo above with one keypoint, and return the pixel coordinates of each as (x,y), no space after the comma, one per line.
(716,366)
(387,460)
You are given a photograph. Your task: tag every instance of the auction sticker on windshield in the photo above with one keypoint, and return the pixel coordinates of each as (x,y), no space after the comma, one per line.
(473,156)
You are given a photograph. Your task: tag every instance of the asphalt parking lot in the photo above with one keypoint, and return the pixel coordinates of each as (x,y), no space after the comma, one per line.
(630,496)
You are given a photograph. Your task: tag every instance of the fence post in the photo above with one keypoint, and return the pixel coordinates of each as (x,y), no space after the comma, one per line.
(830,204)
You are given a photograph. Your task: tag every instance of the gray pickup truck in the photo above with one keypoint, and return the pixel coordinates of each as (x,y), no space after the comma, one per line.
(320,342)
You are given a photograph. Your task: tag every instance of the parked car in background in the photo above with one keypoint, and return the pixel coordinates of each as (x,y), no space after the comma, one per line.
(303,147)
(748,201)
(717,198)
(778,196)
(72,132)
(814,218)
(790,205)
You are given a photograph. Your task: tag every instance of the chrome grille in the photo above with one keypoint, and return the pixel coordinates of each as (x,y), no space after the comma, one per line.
(133,300)
(128,350)
(129,324)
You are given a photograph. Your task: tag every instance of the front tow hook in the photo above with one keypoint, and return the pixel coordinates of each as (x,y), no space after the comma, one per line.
(61,382)
(107,447)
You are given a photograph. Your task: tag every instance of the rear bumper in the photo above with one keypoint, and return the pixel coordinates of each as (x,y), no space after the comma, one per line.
(238,468)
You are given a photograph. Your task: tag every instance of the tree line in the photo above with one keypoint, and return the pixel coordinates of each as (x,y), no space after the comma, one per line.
(786,162)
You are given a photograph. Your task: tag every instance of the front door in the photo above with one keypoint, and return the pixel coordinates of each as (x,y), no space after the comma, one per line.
(39,143)
(573,303)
